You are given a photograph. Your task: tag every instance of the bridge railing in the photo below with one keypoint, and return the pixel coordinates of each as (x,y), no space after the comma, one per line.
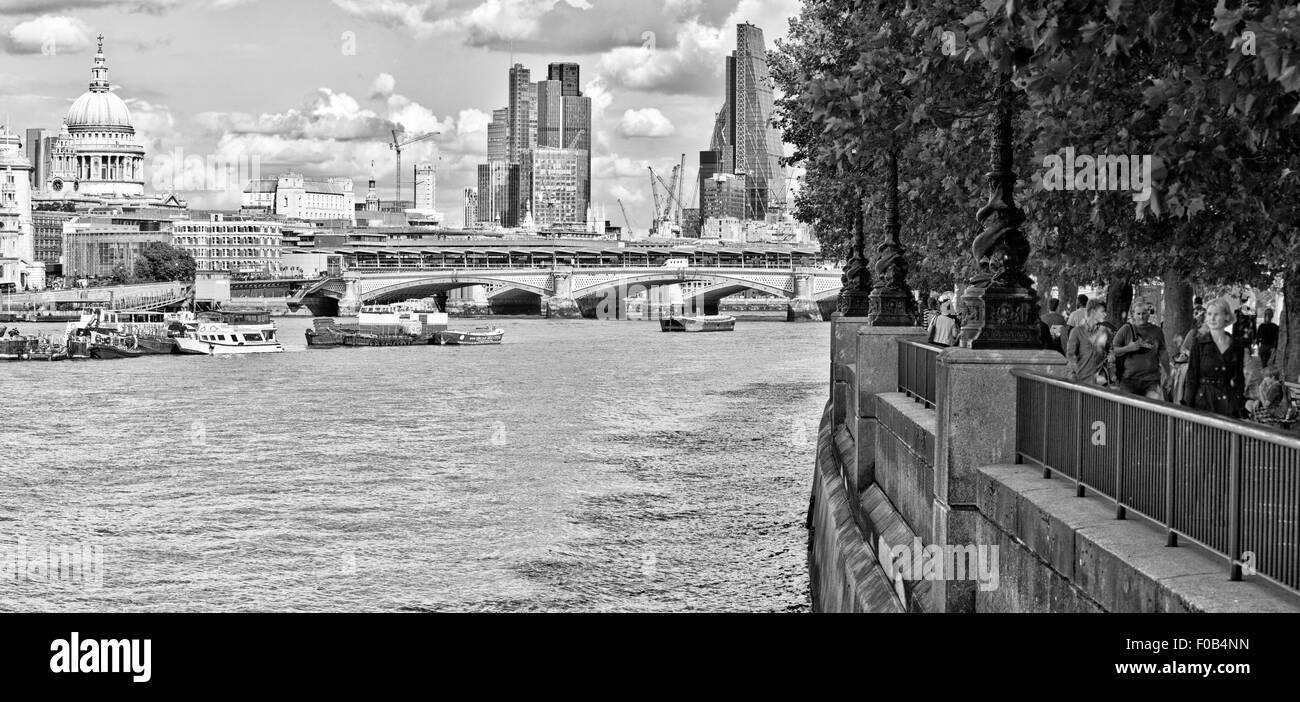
(407,266)
(1230,486)
(918,364)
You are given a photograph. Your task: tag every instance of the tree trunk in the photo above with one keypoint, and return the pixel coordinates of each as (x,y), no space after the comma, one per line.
(1288,353)
(1177,311)
(1119,297)
(1069,291)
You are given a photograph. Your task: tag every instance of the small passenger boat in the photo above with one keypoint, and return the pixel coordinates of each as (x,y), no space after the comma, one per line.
(701,323)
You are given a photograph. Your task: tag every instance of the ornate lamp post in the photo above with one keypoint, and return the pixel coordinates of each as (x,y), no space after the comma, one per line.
(855,295)
(891,299)
(999,306)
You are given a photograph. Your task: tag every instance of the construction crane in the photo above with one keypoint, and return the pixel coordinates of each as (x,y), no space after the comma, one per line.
(626,221)
(573,143)
(654,223)
(397,144)
(673,205)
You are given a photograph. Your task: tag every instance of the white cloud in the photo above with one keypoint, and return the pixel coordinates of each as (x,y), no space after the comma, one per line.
(50,35)
(695,65)
(383,86)
(648,122)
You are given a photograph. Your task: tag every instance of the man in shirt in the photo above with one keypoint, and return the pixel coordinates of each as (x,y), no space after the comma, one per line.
(1266,334)
(1080,312)
(1085,352)
(1140,351)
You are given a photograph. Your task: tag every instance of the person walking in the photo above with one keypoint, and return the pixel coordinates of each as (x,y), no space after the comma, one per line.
(1215,366)
(1086,349)
(1080,312)
(1266,335)
(943,329)
(1141,360)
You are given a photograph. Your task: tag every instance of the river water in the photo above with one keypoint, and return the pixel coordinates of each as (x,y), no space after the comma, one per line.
(580,466)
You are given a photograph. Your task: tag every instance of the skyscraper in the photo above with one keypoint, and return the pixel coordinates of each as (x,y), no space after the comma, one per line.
(519,138)
(498,128)
(498,193)
(550,113)
(550,183)
(567,75)
(748,145)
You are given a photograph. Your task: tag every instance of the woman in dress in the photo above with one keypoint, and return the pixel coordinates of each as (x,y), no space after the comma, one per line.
(1216,380)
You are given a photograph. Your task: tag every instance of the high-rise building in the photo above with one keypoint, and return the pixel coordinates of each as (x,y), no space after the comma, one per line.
(498,129)
(567,74)
(498,193)
(549,183)
(426,187)
(36,155)
(519,138)
(749,145)
(575,133)
(550,113)
(471,207)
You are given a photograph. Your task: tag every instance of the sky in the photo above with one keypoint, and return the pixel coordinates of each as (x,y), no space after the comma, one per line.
(316,85)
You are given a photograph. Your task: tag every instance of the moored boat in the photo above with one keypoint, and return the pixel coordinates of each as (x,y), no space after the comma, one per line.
(221,339)
(474,337)
(700,323)
(401,324)
(15,348)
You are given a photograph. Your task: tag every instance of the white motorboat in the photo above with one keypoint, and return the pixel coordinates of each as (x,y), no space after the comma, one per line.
(219,338)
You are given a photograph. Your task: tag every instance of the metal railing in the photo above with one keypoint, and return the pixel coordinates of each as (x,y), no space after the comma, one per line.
(917,370)
(1230,486)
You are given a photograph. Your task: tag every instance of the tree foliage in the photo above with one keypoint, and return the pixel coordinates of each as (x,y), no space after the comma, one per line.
(1210,93)
(159,262)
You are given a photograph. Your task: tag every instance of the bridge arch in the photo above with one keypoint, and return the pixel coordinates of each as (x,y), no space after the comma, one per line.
(431,285)
(734,283)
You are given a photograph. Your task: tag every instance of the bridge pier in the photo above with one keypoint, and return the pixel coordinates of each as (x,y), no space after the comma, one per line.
(350,303)
(561,304)
(803,307)
(468,302)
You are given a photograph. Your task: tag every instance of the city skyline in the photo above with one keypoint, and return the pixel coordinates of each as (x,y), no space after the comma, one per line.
(654,90)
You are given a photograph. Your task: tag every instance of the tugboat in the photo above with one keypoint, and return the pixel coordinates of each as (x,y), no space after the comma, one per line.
(701,323)
(476,337)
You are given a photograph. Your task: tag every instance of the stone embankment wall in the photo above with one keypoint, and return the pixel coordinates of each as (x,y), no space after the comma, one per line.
(893,473)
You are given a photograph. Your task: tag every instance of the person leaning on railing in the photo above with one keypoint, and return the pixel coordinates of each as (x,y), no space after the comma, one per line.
(1216,380)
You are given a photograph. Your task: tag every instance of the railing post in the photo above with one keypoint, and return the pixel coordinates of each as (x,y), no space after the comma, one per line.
(1119,463)
(1234,508)
(1078,444)
(1171,536)
(1047,472)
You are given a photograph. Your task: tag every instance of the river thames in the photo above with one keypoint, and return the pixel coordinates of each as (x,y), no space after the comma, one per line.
(579,466)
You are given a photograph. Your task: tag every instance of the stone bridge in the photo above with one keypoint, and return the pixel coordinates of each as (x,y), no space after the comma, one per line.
(575,292)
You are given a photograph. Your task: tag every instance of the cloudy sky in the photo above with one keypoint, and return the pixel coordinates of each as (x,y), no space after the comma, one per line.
(316,85)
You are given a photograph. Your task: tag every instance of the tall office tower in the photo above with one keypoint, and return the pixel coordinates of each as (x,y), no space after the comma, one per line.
(36,144)
(532,115)
(498,128)
(518,138)
(575,133)
(567,74)
(749,145)
(550,113)
(471,207)
(426,186)
(498,193)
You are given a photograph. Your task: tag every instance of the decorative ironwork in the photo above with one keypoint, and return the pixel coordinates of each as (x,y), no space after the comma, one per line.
(999,306)
(892,304)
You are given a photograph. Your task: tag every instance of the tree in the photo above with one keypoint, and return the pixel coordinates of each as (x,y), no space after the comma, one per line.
(158,262)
